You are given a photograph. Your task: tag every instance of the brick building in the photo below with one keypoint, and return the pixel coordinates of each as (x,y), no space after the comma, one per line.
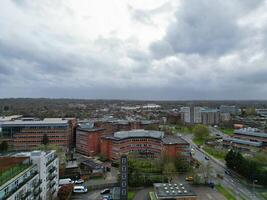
(247,139)
(143,143)
(88,140)
(26,135)
(113,125)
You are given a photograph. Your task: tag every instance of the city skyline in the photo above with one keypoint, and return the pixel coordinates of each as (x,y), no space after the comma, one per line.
(152,50)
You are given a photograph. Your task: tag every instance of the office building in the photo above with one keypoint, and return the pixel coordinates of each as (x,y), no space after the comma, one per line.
(144,144)
(28,134)
(247,139)
(228,109)
(88,140)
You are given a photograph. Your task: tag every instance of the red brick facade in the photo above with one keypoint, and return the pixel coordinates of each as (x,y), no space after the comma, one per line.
(88,141)
(148,147)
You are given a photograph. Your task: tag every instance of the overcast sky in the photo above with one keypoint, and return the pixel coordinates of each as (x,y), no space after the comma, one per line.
(134,49)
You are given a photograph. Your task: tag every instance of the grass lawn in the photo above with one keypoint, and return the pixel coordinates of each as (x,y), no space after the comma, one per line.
(225,192)
(219,154)
(198,141)
(227,131)
(131,195)
(264,195)
(152,196)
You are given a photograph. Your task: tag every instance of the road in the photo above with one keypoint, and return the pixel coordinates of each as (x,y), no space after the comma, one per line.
(94,195)
(229,181)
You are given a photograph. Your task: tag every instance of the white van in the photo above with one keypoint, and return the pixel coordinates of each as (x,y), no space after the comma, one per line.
(64,181)
(79,189)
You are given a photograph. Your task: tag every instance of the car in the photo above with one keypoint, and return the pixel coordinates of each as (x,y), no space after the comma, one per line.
(64,181)
(206,158)
(220,176)
(106,197)
(79,181)
(105,191)
(80,189)
(227,172)
(189,178)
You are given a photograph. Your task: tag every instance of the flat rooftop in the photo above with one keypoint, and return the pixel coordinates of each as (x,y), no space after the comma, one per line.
(139,133)
(173,191)
(35,123)
(92,164)
(251,132)
(88,129)
(11,167)
(246,142)
(173,140)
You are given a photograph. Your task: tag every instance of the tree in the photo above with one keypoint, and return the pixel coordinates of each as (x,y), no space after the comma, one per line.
(152,127)
(206,170)
(169,169)
(181,164)
(4,146)
(45,139)
(65,191)
(201,132)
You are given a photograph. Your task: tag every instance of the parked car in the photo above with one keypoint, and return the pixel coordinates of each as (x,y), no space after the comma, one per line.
(79,181)
(80,189)
(106,197)
(64,181)
(189,178)
(206,158)
(220,176)
(105,191)
(227,172)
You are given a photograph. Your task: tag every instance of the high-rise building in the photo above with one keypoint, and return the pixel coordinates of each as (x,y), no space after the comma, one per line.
(191,114)
(210,116)
(30,175)
(186,114)
(197,115)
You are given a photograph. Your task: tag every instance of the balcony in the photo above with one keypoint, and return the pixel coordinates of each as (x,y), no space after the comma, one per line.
(51,160)
(53,191)
(37,193)
(11,192)
(25,195)
(52,184)
(37,184)
(52,169)
(52,176)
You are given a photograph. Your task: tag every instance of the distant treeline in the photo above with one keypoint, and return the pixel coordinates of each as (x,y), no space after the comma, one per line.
(83,108)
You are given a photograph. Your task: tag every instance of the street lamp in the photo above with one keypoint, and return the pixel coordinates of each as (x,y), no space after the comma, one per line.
(254,181)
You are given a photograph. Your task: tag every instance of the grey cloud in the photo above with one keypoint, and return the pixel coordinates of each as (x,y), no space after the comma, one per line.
(145,15)
(204,27)
(45,61)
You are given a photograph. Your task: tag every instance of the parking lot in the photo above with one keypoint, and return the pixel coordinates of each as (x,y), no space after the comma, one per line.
(94,195)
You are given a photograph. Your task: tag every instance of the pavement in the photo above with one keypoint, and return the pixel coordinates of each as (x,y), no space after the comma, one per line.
(94,195)
(229,181)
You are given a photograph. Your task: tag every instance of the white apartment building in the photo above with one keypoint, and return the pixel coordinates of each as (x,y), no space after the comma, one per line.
(29,176)
(186,117)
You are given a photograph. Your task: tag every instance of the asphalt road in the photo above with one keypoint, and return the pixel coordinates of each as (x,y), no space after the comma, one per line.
(229,181)
(94,195)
